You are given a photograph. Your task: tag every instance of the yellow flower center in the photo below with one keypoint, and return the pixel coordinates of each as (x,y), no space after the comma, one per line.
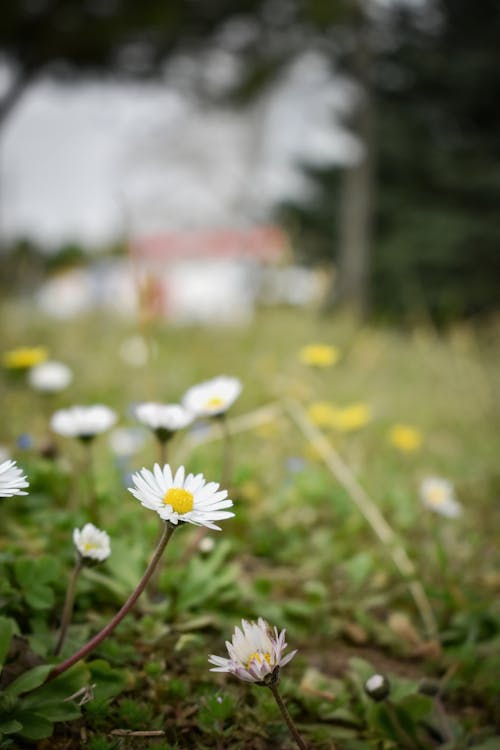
(88,546)
(214,403)
(180,499)
(436,496)
(259,657)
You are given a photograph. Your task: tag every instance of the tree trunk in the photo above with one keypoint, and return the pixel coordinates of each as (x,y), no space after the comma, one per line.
(14,93)
(356,202)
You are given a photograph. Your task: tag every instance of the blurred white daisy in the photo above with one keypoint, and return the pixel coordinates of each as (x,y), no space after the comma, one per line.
(438,495)
(50,377)
(256,652)
(84,422)
(125,441)
(12,480)
(92,543)
(213,397)
(163,419)
(181,498)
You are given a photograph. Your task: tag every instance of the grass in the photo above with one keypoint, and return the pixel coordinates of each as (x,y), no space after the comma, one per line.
(298,551)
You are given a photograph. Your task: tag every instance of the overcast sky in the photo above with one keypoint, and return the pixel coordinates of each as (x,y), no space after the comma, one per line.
(95,161)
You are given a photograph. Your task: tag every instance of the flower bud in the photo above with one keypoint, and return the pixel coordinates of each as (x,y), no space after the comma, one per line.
(377,687)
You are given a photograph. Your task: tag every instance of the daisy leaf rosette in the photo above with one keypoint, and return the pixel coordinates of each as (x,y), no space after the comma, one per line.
(163,419)
(84,422)
(92,543)
(212,398)
(179,498)
(12,480)
(255,653)
(438,495)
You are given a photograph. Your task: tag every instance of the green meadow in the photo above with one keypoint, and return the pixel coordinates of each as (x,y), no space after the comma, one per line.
(330,538)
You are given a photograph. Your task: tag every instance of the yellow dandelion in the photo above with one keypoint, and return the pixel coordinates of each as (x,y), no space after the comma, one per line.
(24,357)
(319,355)
(352,417)
(405,438)
(322,413)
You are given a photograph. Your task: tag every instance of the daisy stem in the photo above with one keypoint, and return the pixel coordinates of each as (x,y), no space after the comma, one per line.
(163,452)
(89,472)
(403,736)
(226,457)
(68,605)
(286,715)
(99,637)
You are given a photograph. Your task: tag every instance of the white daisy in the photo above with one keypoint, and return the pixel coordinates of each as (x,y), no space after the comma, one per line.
(179,498)
(163,419)
(213,397)
(50,377)
(438,495)
(125,441)
(12,481)
(84,422)
(91,542)
(255,653)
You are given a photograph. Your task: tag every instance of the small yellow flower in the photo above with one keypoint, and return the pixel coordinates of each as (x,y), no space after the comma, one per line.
(347,419)
(405,438)
(352,417)
(24,357)
(319,355)
(322,413)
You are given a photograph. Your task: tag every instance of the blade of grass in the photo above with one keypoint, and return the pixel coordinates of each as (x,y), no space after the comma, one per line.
(368,508)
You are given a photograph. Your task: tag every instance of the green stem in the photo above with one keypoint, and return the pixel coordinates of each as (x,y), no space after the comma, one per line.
(227,455)
(68,605)
(404,737)
(286,715)
(90,479)
(97,639)
(163,452)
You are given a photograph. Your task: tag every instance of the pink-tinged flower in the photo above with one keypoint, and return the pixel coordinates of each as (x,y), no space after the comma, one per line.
(12,481)
(255,654)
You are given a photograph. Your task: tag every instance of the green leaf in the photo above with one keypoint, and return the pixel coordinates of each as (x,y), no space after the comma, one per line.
(40,597)
(29,680)
(34,726)
(6,632)
(10,726)
(109,681)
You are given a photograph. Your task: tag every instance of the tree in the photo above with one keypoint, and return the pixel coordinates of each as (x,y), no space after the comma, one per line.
(126,38)
(434,74)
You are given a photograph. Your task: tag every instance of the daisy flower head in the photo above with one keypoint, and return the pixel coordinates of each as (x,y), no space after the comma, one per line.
(438,495)
(319,355)
(179,498)
(255,653)
(92,543)
(50,377)
(84,422)
(12,481)
(212,398)
(163,419)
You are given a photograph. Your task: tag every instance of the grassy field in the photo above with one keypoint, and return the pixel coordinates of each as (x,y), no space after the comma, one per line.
(330,539)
